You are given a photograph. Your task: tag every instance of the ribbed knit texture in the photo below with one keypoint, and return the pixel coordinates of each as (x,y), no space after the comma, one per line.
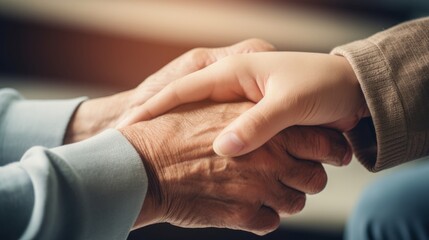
(393,70)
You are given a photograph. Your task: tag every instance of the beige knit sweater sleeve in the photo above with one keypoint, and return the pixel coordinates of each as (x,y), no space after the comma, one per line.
(393,70)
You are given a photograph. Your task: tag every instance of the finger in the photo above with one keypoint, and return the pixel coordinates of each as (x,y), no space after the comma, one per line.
(250,130)
(217,82)
(285,201)
(181,91)
(265,221)
(304,176)
(318,144)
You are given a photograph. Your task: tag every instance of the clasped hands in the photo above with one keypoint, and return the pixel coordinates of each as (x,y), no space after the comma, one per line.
(264,164)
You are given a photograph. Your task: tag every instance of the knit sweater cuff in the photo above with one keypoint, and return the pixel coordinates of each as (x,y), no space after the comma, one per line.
(385,147)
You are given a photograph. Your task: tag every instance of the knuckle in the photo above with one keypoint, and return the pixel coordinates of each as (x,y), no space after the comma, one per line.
(292,138)
(256,44)
(266,221)
(197,53)
(200,56)
(245,214)
(267,226)
(297,203)
(310,177)
(317,180)
(331,146)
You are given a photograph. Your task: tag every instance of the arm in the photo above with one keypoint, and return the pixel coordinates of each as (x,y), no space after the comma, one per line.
(393,71)
(75,191)
(27,123)
(48,193)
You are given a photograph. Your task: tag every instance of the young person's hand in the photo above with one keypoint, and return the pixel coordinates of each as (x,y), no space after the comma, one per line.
(95,115)
(289,88)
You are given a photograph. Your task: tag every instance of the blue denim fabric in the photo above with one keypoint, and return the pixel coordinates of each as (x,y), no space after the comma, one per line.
(394,207)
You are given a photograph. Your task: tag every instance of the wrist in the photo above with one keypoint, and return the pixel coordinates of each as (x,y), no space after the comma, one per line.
(141,137)
(96,115)
(351,77)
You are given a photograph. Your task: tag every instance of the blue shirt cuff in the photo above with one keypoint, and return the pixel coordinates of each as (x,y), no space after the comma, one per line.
(27,123)
(92,189)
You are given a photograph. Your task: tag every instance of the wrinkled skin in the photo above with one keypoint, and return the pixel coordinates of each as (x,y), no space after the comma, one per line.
(191,186)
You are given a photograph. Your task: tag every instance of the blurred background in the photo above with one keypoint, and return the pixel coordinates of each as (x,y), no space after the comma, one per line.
(63,49)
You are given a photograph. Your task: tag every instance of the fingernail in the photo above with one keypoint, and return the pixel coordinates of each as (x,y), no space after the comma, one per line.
(228,144)
(347,157)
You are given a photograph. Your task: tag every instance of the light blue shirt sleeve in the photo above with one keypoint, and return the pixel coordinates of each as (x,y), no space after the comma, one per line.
(28,123)
(93,189)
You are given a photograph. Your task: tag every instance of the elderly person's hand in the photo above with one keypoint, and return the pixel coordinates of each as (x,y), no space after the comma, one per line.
(191,186)
(95,115)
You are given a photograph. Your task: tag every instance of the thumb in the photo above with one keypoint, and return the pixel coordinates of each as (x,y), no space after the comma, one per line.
(250,130)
